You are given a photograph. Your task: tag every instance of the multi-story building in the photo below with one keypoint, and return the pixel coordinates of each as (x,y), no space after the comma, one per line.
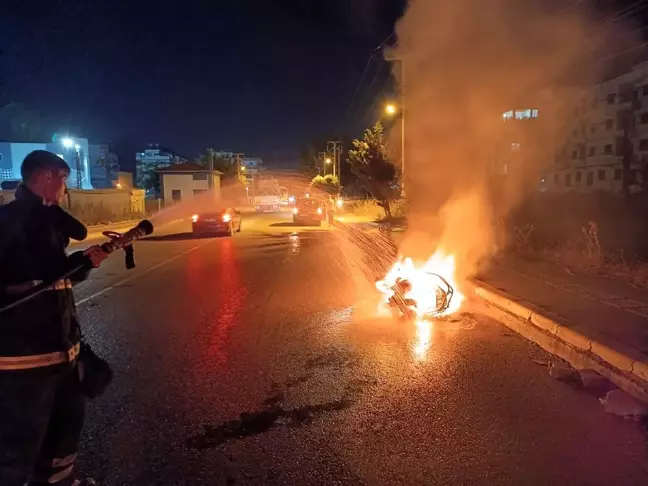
(149,161)
(253,166)
(610,121)
(73,150)
(104,166)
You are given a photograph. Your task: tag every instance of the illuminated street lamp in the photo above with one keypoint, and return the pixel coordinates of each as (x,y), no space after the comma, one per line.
(391,109)
(328,160)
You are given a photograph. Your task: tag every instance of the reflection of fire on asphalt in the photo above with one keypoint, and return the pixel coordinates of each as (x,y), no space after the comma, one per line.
(422,290)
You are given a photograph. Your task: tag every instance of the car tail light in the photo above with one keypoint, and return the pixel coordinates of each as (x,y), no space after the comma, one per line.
(194,218)
(295,210)
(226,218)
(319,210)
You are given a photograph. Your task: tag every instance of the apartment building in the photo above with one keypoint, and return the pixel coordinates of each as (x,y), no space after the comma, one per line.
(608,116)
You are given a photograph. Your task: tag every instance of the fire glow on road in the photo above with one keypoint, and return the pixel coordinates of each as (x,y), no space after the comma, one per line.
(428,289)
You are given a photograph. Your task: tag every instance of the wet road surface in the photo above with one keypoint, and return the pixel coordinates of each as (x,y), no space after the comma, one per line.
(247,360)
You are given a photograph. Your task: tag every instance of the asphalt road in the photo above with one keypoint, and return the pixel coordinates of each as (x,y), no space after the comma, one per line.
(270,323)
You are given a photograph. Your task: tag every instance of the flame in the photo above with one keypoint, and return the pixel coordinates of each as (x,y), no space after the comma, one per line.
(425,279)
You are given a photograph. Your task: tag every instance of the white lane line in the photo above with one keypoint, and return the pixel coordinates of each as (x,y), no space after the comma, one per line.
(150,269)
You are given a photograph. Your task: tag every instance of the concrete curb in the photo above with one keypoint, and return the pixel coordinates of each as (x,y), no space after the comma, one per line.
(553,335)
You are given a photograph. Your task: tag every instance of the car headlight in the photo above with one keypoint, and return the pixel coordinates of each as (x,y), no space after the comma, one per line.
(226,218)
(295,210)
(194,218)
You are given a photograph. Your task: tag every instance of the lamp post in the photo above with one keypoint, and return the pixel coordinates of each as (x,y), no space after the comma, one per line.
(69,143)
(391,109)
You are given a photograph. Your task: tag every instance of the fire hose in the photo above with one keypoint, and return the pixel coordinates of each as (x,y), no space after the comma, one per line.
(79,261)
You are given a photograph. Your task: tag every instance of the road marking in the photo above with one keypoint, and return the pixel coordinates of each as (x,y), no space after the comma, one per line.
(150,269)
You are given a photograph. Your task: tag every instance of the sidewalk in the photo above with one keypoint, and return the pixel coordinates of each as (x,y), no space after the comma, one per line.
(604,317)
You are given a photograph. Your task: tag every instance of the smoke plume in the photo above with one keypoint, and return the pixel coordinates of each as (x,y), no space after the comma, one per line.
(464,64)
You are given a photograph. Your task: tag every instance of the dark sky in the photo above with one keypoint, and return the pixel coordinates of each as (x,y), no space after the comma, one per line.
(261,76)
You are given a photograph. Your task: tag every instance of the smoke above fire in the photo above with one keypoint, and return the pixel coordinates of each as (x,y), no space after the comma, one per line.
(464,64)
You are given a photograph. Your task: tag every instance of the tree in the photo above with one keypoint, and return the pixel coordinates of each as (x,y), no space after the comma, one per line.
(375,172)
(329,183)
(226,166)
(308,160)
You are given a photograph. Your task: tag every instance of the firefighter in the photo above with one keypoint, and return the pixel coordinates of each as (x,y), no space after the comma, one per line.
(41,405)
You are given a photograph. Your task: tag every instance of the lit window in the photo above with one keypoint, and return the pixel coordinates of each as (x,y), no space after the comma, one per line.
(534,114)
(508,115)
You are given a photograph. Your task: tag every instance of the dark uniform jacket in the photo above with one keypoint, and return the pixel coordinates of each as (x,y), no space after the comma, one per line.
(33,238)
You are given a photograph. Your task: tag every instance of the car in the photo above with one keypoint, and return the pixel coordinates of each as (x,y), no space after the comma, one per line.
(226,221)
(309,211)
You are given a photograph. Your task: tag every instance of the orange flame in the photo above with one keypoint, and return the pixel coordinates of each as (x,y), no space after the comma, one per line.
(425,282)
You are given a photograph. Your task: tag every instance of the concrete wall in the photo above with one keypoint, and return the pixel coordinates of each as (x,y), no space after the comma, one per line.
(186,185)
(99,206)
(106,205)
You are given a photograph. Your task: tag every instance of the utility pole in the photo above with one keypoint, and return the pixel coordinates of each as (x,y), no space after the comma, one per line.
(322,158)
(211,168)
(79,173)
(238,164)
(335,148)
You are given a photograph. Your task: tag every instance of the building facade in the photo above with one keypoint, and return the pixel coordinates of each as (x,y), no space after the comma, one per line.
(252,166)
(73,150)
(149,161)
(610,120)
(186,181)
(104,166)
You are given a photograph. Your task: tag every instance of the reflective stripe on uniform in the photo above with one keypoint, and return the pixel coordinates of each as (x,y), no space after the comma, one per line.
(61,475)
(64,461)
(38,360)
(26,286)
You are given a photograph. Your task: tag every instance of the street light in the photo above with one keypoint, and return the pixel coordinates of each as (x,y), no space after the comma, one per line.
(328,160)
(391,109)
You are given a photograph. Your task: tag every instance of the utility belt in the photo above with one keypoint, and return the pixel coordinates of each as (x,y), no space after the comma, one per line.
(8,363)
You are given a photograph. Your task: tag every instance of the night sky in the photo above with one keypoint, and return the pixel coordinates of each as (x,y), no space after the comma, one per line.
(263,77)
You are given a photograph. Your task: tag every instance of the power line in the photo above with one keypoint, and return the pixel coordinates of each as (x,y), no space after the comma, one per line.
(372,56)
(624,12)
(357,90)
(631,49)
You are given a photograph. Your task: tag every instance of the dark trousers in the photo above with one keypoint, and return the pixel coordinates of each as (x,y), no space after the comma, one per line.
(41,418)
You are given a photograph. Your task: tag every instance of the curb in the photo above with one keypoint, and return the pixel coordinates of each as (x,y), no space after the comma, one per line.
(554,336)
